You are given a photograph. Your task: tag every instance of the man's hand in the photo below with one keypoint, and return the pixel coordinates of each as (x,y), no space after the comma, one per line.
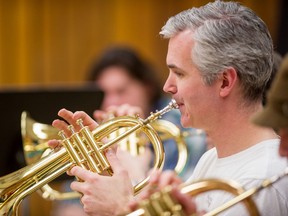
(158,181)
(104,195)
(70,118)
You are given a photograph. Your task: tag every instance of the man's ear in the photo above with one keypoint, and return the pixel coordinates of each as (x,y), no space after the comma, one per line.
(228,78)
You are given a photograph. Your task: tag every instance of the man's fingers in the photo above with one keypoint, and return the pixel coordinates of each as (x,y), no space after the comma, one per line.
(162,179)
(67,115)
(125,109)
(77,186)
(59,124)
(185,200)
(113,160)
(169,178)
(100,116)
(79,172)
(71,118)
(87,120)
(54,143)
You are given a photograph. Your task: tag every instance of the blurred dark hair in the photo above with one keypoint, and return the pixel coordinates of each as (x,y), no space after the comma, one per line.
(136,67)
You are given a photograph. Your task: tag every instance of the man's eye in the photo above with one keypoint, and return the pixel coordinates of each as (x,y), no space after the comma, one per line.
(178,74)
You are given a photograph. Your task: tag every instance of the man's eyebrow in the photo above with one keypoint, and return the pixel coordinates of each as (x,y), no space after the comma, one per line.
(175,67)
(171,66)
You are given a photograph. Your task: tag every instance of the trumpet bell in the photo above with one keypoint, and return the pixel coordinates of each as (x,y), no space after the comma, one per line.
(34,137)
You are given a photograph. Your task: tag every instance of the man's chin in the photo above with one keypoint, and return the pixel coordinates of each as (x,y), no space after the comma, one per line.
(185,123)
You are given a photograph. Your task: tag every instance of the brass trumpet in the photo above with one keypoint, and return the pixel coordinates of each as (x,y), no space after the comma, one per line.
(162,203)
(84,148)
(35,136)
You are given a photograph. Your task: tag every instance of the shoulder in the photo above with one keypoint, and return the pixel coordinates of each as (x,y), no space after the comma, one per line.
(204,164)
(208,158)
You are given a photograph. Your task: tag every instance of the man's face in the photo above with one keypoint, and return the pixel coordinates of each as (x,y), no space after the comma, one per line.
(196,100)
(283,133)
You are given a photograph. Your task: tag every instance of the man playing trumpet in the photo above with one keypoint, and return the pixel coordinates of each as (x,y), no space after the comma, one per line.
(220,57)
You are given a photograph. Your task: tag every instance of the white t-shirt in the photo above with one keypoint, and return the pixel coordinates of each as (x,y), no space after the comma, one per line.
(249,168)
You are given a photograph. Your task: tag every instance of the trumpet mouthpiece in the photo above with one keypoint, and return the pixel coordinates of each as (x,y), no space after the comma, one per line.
(174,104)
(170,106)
(158,114)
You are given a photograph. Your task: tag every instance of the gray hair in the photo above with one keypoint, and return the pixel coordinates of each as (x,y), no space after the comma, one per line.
(227,34)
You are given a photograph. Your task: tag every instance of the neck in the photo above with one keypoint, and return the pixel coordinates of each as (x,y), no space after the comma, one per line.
(231,137)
